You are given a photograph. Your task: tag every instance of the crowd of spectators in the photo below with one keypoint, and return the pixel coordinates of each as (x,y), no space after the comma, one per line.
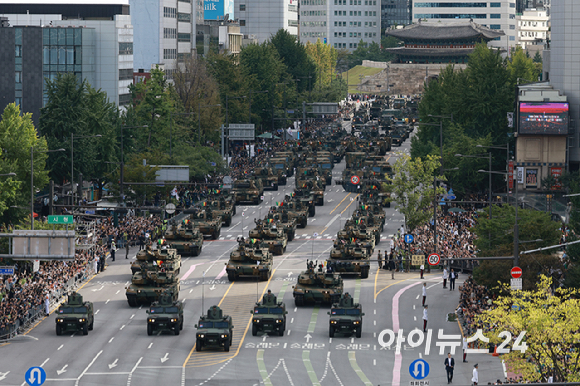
(28,294)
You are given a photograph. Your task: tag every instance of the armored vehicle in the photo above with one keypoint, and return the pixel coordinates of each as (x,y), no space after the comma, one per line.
(269,316)
(272,235)
(214,330)
(165,314)
(163,257)
(221,207)
(185,238)
(345,317)
(249,190)
(359,234)
(283,220)
(312,287)
(208,222)
(315,189)
(268,177)
(148,284)
(296,210)
(349,258)
(281,169)
(75,315)
(306,198)
(252,258)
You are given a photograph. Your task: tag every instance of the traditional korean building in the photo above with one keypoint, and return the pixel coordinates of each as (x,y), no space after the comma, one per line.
(440,42)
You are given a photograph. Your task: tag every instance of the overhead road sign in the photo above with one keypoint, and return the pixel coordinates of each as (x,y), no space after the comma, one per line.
(7,270)
(60,219)
(241,132)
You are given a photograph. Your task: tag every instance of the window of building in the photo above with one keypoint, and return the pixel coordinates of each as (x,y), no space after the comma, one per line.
(126,74)
(512,38)
(350,45)
(512,5)
(495,26)
(450,16)
(242,23)
(18,51)
(125,99)
(512,26)
(18,101)
(450,5)
(242,7)
(125,48)
(169,53)
(18,76)
(185,17)
(170,33)
(169,12)
(495,16)
(183,37)
(495,5)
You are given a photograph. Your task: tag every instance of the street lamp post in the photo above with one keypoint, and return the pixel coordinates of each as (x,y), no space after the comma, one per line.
(8,175)
(488,157)
(507,159)
(32,182)
(440,132)
(199,118)
(224,151)
(72,138)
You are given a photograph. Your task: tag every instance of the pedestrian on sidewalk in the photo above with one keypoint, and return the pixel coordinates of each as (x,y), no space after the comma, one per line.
(96,264)
(126,250)
(47,304)
(392,267)
(422,270)
(449,365)
(380,259)
(113,249)
(445,276)
(464,350)
(452,277)
(425,318)
(475,377)
(424,293)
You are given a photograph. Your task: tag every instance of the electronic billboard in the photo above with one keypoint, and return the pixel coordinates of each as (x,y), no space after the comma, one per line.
(548,118)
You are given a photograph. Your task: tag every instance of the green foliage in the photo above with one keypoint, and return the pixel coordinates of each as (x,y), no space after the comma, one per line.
(495,238)
(412,188)
(538,57)
(373,51)
(324,56)
(293,54)
(17,137)
(521,67)
(551,320)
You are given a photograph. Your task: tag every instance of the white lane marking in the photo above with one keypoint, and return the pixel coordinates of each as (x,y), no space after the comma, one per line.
(132,316)
(108,300)
(110,340)
(116,293)
(87,368)
(150,345)
(292,320)
(61,346)
(122,327)
(97,311)
(288,332)
(43,363)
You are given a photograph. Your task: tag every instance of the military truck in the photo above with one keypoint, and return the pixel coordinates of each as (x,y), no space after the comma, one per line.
(208,222)
(165,258)
(267,176)
(214,330)
(269,316)
(251,259)
(249,190)
(75,315)
(281,167)
(185,238)
(165,314)
(283,220)
(148,284)
(345,317)
(349,258)
(273,236)
(320,286)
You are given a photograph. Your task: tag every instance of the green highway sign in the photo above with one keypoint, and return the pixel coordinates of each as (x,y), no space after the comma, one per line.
(60,219)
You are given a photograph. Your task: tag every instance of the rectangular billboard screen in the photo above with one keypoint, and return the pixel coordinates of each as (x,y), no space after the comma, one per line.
(547,118)
(213,9)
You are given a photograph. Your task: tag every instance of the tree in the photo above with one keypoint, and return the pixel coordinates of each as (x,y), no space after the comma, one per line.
(521,67)
(412,188)
(550,319)
(293,54)
(195,86)
(495,238)
(324,56)
(538,57)
(17,137)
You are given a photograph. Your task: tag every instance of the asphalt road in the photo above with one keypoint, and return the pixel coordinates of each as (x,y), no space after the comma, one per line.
(119,352)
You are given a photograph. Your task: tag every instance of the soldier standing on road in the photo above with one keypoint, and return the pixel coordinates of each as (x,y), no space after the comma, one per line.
(96,265)
(445,275)
(424,293)
(126,250)
(475,377)
(422,270)
(392,268)
(113,248)
(464,349)
(425,317)
(380,260)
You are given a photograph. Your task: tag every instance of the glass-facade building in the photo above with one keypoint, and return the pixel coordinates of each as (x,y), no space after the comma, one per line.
(396,12)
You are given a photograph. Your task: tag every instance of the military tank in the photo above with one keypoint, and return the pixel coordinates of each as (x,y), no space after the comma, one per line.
(267,176)
(283,220)
(206,221)
(214,330)
(313,188)
(165,314)
(273,236)
(221,207)
(150,282)
(185,238)
(163,257)
(295,210)
(306,198)
(74,315)
(349,258)
(249,190)
(250,259)
(312,287)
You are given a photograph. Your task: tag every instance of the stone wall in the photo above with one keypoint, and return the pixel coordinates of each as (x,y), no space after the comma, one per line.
(407,79)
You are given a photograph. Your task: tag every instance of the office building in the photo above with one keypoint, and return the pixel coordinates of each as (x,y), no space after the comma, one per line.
(164,32)
(562,66)
(340,23)
(95,42)
(395,13)
(497,15)
(533,28)
(260,19)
